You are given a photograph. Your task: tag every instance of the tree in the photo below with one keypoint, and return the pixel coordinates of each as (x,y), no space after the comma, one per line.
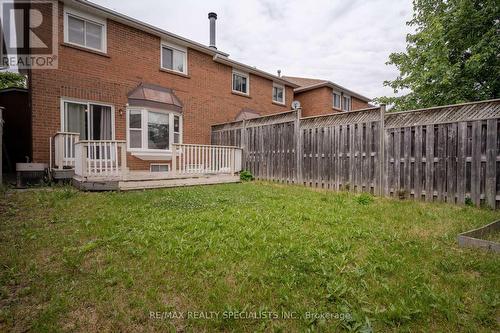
(452,57)
(11,79)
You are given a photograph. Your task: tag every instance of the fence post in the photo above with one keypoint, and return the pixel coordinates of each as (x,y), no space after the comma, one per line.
(298,146)
(381,150)
(243,144)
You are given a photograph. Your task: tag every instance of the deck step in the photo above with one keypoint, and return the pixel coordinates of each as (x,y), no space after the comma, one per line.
(164,183)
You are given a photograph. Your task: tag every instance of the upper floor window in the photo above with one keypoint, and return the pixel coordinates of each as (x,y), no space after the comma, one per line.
(174,58)
(336,100)
(241,83)
(346,103)
(278,93)
(84,30)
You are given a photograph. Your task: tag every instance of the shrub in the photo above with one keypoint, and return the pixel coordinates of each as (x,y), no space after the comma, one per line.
(469,202)
(364,199)
(246,176)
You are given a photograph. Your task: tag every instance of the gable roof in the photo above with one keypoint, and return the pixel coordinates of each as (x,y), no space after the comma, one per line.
(218,56)
(306,84)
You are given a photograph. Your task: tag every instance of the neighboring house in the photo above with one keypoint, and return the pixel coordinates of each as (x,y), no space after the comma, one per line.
(318,97)
(121,79)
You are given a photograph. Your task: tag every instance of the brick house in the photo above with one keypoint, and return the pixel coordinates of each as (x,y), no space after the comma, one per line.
(117,77)
(318,97)
(130,89)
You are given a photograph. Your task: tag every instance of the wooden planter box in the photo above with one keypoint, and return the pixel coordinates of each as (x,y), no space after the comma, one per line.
(474,238)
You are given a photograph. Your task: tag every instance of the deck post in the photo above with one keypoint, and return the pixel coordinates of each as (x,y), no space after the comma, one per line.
(174,159)
(123,149)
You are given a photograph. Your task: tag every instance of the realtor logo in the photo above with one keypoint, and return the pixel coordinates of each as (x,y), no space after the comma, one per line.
(28,34)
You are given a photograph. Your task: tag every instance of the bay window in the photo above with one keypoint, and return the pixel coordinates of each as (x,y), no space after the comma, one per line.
(152,130)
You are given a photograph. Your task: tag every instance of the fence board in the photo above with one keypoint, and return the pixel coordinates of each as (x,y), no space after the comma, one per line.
(444,154)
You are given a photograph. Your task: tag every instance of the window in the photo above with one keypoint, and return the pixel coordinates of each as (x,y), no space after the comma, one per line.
(151,130)
(241,82)
(157,167)
(84,30)
(336,100)
(173,58)
(278,93)
(346,103)
(158,136)
(135,126)
(177,133)
(92,120)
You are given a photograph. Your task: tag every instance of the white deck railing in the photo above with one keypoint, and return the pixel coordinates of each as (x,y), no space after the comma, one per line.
(205,159)
(106,158)
(64,150)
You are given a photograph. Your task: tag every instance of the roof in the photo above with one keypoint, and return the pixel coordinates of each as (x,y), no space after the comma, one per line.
(303,81)
(150,95)
(219,56)
(246,113)
(253,70)
(11,89)
(306,84)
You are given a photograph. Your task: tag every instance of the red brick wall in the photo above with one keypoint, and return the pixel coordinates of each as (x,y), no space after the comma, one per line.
(133,56)
(319,101)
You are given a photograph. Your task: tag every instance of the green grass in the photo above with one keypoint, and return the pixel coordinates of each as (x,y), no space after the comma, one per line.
(73,261)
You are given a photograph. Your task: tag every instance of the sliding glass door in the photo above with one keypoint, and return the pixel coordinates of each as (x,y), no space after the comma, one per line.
(92,121)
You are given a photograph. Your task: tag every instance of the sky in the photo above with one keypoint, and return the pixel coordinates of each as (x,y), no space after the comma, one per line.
(344,41)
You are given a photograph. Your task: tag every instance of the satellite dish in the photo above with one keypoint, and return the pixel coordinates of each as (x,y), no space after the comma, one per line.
(295,105)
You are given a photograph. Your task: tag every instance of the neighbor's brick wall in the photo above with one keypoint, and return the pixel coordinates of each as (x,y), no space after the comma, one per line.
(358,104)
(133,57)
(320,101)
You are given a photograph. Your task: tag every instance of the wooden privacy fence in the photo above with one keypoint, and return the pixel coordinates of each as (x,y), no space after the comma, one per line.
(449,153)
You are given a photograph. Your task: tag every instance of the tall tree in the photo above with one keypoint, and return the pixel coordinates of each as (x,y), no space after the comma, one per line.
(453,56)
(11,79)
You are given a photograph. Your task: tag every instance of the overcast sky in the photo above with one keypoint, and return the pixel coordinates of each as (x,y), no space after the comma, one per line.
(344,41)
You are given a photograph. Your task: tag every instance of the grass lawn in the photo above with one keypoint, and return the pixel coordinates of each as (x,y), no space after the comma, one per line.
(239,254)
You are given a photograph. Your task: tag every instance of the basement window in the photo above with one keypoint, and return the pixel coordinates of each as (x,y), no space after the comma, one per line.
(84,30)
(157,167)
(241,83)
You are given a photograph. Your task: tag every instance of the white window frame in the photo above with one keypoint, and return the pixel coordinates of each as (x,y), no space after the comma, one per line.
(178,48)
(277,85)
(245,75)
(159,164)
(144,128)
(350,103)
(340,100)
(86,17)
(87,103)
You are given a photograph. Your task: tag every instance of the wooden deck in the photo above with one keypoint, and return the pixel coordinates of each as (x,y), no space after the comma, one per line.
(137,180)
